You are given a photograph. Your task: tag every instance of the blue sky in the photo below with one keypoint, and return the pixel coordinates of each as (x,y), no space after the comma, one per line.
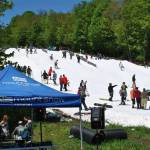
(21,6)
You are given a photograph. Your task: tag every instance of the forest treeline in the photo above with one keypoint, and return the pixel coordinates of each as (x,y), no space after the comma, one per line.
(114,29)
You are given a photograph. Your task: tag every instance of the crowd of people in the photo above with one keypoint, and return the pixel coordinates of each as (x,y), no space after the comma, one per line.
(137,97)
(22,131)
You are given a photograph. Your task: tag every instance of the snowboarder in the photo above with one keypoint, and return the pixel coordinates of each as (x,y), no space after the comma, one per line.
(82,93)
(54,77)
(121,66)
(45,77)
(29,71)
(56,64)
(111,91)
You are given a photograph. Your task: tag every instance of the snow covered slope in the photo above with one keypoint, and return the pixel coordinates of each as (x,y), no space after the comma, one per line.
(97,82)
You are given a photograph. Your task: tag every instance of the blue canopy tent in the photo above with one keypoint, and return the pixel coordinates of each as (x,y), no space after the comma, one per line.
(18,90)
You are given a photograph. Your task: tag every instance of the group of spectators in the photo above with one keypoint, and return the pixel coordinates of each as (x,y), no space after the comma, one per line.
(21,132)
(139,98)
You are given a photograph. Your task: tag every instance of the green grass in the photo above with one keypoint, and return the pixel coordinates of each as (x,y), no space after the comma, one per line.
(58,133)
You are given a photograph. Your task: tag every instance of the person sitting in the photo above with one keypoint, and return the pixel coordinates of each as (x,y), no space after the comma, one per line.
(28,126)
(20,134)
(4,132)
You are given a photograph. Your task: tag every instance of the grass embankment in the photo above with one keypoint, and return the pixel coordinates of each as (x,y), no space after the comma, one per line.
(58,133)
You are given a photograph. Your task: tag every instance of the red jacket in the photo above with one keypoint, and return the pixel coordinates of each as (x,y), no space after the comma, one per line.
(61,80)
(65,80)
(137,94)
(50,71)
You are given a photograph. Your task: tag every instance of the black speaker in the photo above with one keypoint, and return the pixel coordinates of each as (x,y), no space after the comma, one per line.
(98,118)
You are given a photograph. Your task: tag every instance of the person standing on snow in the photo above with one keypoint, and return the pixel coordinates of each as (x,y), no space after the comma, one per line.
(123,96)
(45,77)
(50,72)
(61,82)
(29,71)
(54,77)
(65,80)
(111,90)
(82,93)
(124,90)
(144,98)
(133,82)
(132,96)
(138,97)
(56,64)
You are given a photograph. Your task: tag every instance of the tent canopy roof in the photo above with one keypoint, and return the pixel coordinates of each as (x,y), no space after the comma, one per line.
(17,88)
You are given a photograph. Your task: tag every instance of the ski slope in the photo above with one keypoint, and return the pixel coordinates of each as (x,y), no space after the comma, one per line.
(107,71)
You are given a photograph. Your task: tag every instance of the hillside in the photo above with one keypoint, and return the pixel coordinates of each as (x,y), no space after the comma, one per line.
(97,78)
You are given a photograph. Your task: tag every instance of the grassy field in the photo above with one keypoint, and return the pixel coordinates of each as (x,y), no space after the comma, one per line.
(58,133)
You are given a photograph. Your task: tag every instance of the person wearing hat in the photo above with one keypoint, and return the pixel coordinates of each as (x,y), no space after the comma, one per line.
(19,131)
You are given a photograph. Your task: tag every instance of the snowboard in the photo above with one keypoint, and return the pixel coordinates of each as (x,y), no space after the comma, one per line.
(106,99)
(82,113)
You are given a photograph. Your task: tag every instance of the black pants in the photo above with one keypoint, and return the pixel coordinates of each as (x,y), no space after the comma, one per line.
(133,102)
(111,96)
(65,87)
(61,87)
(123,100)
(83,103)
(138,103)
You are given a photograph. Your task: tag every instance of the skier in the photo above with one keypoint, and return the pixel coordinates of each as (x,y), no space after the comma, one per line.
(82,93)
(29,71)
(54,77)
(56,64)
(45,77)
(61,82)
(111,91)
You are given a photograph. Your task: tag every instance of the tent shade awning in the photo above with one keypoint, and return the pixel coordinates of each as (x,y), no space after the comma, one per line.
(18,90)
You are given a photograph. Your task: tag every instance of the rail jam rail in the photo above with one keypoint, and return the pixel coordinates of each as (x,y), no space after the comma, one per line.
(87,61)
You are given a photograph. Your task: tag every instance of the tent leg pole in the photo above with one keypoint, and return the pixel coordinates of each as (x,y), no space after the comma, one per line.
(41,132)
(32,124)
(81,136)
